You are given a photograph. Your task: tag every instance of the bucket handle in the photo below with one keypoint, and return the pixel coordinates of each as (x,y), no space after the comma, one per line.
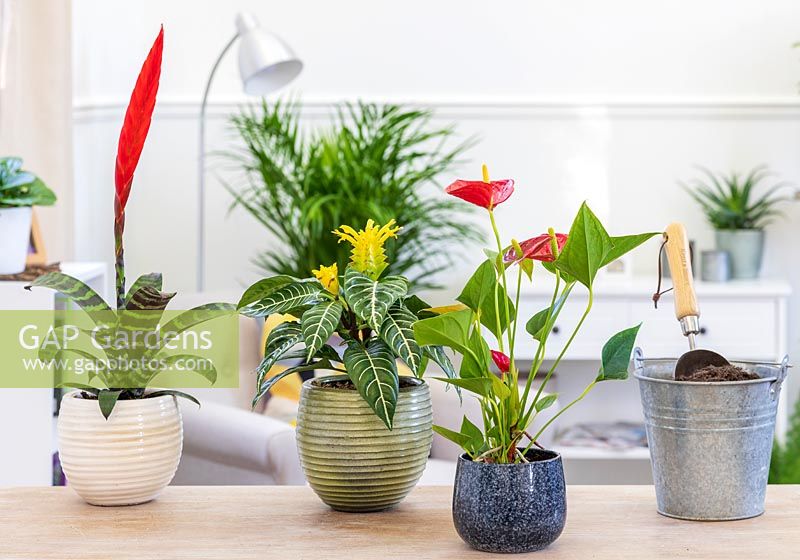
(638,360)
(775,386)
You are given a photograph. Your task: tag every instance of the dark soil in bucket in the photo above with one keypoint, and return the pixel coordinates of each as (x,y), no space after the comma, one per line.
(721,373)
(347,385)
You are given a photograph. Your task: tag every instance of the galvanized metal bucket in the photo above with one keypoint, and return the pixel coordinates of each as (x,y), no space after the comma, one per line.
(710,442)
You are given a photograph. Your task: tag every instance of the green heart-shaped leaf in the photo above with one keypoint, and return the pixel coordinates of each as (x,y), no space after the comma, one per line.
(616,355)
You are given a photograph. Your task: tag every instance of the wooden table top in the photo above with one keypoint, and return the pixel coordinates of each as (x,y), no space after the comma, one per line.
(614,522)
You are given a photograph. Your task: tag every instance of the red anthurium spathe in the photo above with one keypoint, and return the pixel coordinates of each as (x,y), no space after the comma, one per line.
(137,121)
(486,194)
(502,361)
(538,248)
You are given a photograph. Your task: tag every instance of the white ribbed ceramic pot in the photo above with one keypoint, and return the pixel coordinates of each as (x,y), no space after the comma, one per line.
(125,460)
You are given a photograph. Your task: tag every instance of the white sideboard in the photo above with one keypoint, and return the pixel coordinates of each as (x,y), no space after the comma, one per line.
(740,319)
(26,415)
(744,320)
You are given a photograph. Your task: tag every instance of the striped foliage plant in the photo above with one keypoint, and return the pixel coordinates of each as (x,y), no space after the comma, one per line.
(372,316)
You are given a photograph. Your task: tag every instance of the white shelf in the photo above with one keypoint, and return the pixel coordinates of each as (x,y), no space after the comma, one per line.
(645,286)
(593,453)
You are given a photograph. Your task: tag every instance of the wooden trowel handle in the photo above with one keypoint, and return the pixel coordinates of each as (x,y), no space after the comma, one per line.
(680,268)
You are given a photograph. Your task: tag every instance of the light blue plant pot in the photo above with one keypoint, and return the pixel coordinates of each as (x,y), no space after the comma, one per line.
(746,249)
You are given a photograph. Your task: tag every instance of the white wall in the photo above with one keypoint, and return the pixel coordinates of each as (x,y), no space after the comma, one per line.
(608,101)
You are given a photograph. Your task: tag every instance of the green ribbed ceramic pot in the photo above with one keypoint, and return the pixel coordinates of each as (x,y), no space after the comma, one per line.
(351,459)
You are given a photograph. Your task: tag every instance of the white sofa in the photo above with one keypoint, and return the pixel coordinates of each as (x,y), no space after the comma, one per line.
(225,442)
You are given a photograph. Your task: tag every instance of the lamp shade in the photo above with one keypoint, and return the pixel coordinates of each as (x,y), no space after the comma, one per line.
(266,63)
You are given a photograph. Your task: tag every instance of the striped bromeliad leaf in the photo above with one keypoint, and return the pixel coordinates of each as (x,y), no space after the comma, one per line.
(371,299)
(142,314)
(144,309)
(78,293)
(209,371)
(397,331)
(373,371)
(190,319)
(153,280)
(280,340)
(285,299)
(318,324)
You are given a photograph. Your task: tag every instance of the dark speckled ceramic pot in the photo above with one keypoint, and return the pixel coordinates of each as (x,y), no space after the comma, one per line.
(510,508)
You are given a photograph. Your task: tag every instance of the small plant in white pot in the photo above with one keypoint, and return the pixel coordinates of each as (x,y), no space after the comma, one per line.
(119,442)
(20,191)
(738,215)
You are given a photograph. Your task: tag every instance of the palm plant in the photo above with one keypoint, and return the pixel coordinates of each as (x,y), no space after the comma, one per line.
(729,202)
(374,163)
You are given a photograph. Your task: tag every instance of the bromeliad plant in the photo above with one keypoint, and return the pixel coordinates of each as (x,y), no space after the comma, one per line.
(140,309)
(371,314)
(484,329)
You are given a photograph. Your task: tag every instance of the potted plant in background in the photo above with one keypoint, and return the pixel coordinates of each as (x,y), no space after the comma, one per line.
(120,443)
(364,437)
(377,162)
(20,191)
(737,215)
(509,493)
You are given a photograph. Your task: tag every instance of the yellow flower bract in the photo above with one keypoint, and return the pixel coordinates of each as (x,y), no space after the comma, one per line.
(368,255)
(328,276)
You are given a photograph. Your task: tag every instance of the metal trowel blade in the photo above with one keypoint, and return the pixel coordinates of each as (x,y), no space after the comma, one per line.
(693,360)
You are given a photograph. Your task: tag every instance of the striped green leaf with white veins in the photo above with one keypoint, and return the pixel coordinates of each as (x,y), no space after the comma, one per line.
(373,371)
(371,300)
(285,299)
(397,331)
(319,323)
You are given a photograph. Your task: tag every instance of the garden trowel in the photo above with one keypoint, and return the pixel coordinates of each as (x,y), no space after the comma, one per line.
(687,311)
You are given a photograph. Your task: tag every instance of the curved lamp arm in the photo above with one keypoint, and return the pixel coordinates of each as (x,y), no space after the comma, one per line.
(201,171)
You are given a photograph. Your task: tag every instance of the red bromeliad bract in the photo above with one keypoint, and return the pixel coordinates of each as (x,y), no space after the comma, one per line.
(486,194)
(538,248)
(137,121)
(131,141)
(502,361)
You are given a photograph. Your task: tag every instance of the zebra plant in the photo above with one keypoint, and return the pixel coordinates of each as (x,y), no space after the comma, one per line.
(372,317)
(139,310)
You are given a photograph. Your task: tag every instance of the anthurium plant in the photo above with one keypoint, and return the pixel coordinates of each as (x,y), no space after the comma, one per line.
(484,329)
(371,315)
(139,311)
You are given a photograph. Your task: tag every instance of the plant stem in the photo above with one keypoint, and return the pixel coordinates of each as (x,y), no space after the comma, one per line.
(561,354)
(505,285)
(540,350)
